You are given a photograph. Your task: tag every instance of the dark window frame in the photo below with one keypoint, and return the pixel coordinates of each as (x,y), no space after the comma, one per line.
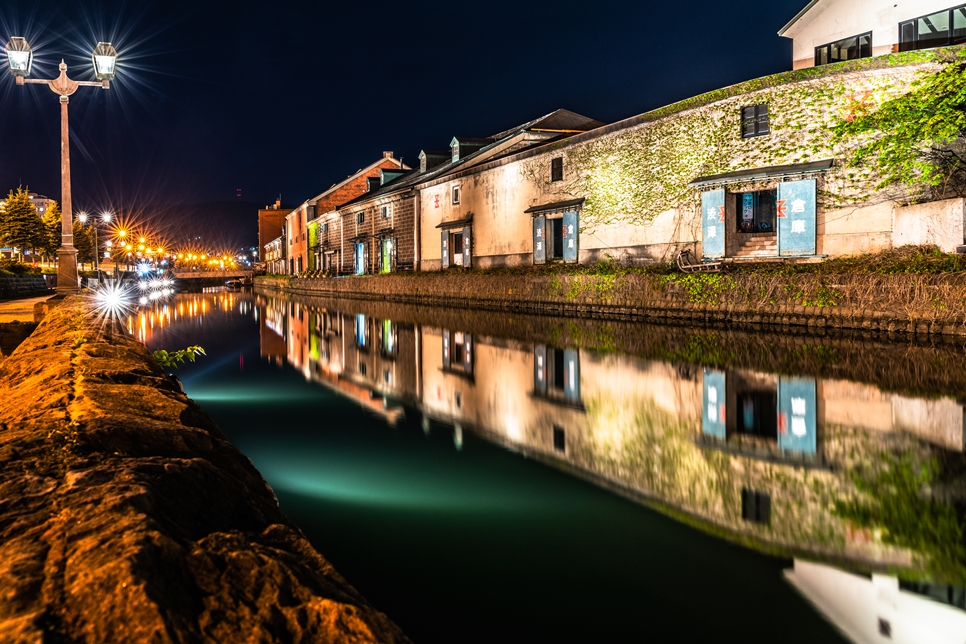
(556,169)
(951,39)
(456,195)
(823,53)
(361,217)
(756,121)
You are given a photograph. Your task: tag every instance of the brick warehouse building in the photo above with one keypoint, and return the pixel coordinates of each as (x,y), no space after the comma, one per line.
(302,254)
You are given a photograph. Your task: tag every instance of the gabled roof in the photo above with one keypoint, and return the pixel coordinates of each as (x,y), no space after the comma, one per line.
(563,121)
(491,150)
(799,22)
(356,174)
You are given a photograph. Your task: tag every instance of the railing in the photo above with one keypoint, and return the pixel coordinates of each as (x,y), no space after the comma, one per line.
(226,274)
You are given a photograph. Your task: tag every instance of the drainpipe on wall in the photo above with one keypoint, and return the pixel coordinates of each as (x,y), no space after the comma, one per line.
(416,239)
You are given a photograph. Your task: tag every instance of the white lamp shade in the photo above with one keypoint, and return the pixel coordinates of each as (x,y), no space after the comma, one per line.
(105,61)
(19,56)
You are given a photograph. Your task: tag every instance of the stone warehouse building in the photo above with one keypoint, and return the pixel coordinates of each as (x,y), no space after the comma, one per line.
(753,170)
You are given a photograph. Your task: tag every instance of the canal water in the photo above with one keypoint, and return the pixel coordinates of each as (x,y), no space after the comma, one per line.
(488,477)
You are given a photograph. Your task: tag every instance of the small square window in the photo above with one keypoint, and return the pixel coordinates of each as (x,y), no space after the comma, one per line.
(754,121)
(456,195)
(360,218)
(385,212)
(362,368)
(556,169)
(755,506)
(325,228)
(559,439)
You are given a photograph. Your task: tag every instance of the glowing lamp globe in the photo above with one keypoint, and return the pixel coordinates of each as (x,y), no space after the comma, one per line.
(19,57)
(105,61)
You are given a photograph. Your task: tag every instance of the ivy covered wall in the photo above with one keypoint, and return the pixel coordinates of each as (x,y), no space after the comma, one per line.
(642,169)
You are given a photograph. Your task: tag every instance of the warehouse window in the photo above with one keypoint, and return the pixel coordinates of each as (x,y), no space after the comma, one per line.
(754,121)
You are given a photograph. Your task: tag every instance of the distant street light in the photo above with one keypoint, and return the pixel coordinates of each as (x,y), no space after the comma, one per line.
(106,218)
(19,61)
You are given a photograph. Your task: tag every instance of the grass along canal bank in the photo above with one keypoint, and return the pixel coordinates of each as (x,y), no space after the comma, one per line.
(913,289)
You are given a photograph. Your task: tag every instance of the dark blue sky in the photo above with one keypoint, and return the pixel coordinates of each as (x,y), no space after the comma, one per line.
(290,97)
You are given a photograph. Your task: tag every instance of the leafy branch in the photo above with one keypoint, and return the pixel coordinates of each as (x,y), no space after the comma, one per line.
(175,358)
(915,139)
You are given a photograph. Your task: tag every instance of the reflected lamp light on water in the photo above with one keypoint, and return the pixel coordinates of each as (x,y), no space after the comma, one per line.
(19,57)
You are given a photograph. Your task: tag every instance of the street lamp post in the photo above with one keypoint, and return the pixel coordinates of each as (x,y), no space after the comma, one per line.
(106,218)
(19,60)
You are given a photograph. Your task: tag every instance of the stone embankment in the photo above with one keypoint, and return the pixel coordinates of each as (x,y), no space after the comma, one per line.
(904,304)
(126,515)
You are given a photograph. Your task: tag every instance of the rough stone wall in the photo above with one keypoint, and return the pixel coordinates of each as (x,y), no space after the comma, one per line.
(931,304)
(126,516)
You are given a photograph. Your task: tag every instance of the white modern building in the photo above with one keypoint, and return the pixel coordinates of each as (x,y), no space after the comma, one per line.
(831,31)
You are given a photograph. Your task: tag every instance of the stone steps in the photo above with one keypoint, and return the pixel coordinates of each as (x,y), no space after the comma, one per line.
(764,246)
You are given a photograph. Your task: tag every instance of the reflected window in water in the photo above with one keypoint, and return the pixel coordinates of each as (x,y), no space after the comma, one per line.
(755,506)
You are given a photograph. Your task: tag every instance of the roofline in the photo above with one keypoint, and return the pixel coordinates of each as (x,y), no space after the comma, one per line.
(808,7)
(354,175)
(750,86)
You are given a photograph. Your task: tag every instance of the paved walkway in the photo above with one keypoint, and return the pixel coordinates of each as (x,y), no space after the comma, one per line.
(20,310)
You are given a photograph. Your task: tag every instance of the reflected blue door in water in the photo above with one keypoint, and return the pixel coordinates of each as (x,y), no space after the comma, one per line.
(796,415)
(713,409)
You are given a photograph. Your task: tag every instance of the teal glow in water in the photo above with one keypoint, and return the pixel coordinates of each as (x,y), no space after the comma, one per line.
(476,544)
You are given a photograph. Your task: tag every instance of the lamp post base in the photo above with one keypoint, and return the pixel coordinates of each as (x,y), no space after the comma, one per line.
(67,282)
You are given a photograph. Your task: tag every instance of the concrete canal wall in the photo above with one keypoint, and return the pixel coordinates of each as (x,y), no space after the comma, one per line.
(127,516)
(899,303)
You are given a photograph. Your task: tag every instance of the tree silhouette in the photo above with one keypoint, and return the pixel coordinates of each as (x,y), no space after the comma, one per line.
(20,227)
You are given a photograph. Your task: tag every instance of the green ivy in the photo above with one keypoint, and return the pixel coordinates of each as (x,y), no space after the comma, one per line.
(916,138)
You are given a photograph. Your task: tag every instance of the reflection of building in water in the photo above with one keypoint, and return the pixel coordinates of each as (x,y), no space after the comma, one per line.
(759,456)
(881,608)
(369,360)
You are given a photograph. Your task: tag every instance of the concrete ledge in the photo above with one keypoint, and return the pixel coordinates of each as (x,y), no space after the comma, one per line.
(126,516)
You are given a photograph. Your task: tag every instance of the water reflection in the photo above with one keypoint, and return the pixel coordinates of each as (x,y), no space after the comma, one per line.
(861,484)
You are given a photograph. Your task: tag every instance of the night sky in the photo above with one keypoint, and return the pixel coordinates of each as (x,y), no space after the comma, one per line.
(290,97)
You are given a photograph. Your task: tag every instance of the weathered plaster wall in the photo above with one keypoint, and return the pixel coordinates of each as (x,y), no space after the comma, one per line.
(126,516)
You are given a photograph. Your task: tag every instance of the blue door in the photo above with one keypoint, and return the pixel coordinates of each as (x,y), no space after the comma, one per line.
(795,212)
(713,223)
(467,254)
(539,240)
(713,411)
(444,248)
(570,233)
(360,258)
(796,415)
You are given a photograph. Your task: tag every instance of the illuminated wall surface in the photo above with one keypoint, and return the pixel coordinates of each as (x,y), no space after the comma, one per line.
(391,433)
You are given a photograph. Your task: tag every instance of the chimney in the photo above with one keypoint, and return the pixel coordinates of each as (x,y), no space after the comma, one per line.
(278,204)
(387,155)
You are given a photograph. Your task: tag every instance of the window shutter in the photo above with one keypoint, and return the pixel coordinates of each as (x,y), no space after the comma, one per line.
(444,248)
(540,369)
(713,411)
(570,234)
(763,119)
(571,375)
(748,117)
(712,223)
(539,240)
(447,346)
(467,353)
(795,213)
(467,253)
(796,415)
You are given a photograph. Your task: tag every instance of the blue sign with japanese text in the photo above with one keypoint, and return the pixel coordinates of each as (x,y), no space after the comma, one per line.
(713,223)
(796,415)
(795,212)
